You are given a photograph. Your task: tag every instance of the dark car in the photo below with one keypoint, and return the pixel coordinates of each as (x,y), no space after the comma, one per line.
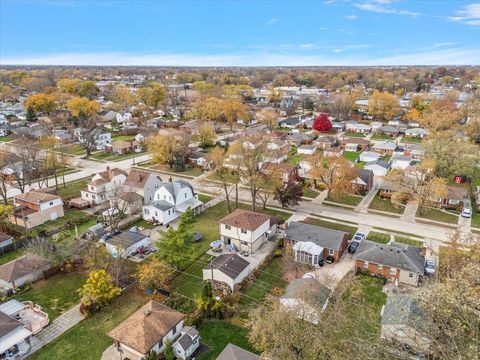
(353,247)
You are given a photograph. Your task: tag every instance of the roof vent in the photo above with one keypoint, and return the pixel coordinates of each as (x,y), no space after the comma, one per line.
(147,313)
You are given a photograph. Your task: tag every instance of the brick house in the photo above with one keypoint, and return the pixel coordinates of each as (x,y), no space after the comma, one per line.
(311,243)
(397,262)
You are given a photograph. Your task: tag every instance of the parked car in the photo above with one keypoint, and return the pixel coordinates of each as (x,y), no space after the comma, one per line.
(430,267)
(359,236)
(466,212)
(353,247)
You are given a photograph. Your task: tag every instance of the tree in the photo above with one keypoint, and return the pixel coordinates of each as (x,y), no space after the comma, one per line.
(383,105)
(207,306)
(168,149)
(51,164)
(322,123)
(6,93)
(88,89)
(82,107)
(98,290)
(154,274)
(88,135)
(275,97)
(152,95)
(232,111)
(268,117)
(173,242)
(168,353)
(45,103)
(268,184)
(69,86)
(290,194)
(336,173)
(243,92)
(340,104)
(122,97)
(203,87)
(206,135)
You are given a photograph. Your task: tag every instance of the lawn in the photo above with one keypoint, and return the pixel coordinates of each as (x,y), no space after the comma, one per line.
(9,256)
(72,189)
(309,193)
(217,334)
(475,219)
(88,340)
(188,172)
(204,198)
(408,241)
(385,205)
(438,215)
(187,283)
(347,199)
(56,294)
(331,225)
(381,137)
(71,149)
(270,277)
(6,139)
(294,159)
(107,156)
(411,140)
(122,138)
(351,155)
(355,135)
(65,226)
(378,237)
(140,223)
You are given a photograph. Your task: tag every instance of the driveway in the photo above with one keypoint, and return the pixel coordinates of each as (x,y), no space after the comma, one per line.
(330,275)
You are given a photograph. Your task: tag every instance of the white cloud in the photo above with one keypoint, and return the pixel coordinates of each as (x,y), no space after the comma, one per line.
(444,44)
(382,7)
(469,15)
(272,21)
(306,46)
(339,56)
(351,17)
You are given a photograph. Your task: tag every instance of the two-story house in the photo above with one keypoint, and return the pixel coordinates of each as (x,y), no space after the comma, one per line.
(246,230)
(103,186)
(144,183)
(171,200)
(35,208)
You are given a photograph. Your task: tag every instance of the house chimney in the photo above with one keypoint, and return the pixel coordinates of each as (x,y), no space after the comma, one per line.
(169,179)
(147,313)
(423,251)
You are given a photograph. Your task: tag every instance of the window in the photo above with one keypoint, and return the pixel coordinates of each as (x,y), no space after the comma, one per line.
(331,252)
(156,213)
(228,227)
(393,271)
(86,195)
(380,267)
(51,203)
(243,231)
(410,275)
(168,211)
(365,264)
(175,330)
(93,196)
(185,195)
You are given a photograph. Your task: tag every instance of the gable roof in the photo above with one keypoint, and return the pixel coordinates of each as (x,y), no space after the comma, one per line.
(125,239)
(189,334)
(8,324)
(395,255)
(22,266)
(380,163)
(146,327)
(138,178)
(233,352)
(326,238)
(36,197)
(245,219)
(176,186)
(229,264)
(109,173)
(403,310)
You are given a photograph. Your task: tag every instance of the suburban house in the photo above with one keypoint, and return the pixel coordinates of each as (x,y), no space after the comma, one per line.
(144,183)
(338,126)
(246,230)
(198,158)
(354,144)
(304,297)
(306,149)
(369,156)
(400,162)
(364,182)
(385,147)
(398,262)
(35,208)
(146,331)
(416,132)
(379,167)
(353,126)
(171,200)
(312,243)
(122,147)
(455,197)
(388,130)
(187,343)
(325,142)
(416,151)
(31,315)
(15,339)
(128,202)
(6,242)
(126,243)
(333,152)
(103,186)
(25,269)
(226,271)
(287,172)
(233,352)
(403,322)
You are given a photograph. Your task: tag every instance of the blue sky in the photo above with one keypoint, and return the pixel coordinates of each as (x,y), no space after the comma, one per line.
(240,33)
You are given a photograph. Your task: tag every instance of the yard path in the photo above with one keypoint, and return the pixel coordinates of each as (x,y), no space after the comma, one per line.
(57,327)
(367,199)
(410,211)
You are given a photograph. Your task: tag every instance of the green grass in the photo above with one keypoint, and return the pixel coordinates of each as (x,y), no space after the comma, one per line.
(309,193)
(187,283)
(385,205)
(411,140)
(72,189)
(381,137)
(122,138)
(56,294)
(475,218)
(64,227)
(270,277)
(347,199)
(294,159)
(88,339)
(71,149)
(331,225)
(12,255)
(6,138)
(408,241)
(378,237)
(188,172)
(107,156)
(204,198)
(140,223)
(438,215)
(217,334)
(351,155)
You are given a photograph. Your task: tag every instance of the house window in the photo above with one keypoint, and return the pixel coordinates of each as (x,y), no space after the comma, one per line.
(380,267)
(175,330)
(93,196)
(168,211)
(410,275)
(185,195)
(243,231)
(365,264)
(228,227)
(393,271)
(51,203)
(86,194)
(330,252)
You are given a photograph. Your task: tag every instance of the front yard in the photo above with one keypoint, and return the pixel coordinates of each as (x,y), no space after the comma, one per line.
(190,172)
(438,215)
(346,199)
(71,149)
(385,205)
(107,156)
(378,237)
(72,189)
(204,198)
(56,294)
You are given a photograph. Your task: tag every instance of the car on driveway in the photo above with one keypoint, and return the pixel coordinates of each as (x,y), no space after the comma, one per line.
(353,247)
(430,267)
(466,212)
(359,236)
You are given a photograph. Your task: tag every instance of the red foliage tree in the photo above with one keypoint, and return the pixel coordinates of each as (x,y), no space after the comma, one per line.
(322,123)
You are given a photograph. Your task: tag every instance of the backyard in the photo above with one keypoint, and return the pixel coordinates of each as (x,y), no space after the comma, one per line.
(411,140)
(71,149)
(350,229)
(351,155)
(190,171)
(9,256)
(205,198)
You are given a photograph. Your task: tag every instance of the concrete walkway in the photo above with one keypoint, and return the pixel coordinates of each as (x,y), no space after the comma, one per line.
(410,211)
(56,328)
(367,199)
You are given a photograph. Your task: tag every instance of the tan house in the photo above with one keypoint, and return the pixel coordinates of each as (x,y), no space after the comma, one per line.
(35,208)
(123,147)
(24,269)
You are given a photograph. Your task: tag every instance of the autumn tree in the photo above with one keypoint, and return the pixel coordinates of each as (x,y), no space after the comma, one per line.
(290,194)
(269,118)
(340,104)
(268,184)
(88,89)
(69,86)
(169,149)
(154,274)
(44,103)
(122,97)
(98,290)
(206,135)
(275,97)
(233,110)
(242,92)
(322,123)
(383,105)
(152,95)
(441,115)
(82,107)
(203,87)
(6,93)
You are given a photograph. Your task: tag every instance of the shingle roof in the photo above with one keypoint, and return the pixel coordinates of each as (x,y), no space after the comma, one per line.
(229,264)
(245,219)
(233,352)
(189,334)
(8,324)
(326,238)
(297,288)
(138,178)
(162,205)
(403,310)
(146,327)
(36,197)
(125,239)
(395,255)
(22,266)
(108,174)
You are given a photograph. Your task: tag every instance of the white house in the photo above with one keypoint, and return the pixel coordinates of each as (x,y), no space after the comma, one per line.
(353,126)
(416,132)
(379,167)
(304,168)
(126,243)
(14,338)
(146,331)
(226,271)
(171,200)
(187,343)
(103,186)
(400,162)
(306,149)
(246,230)
(144,183)
(369,156)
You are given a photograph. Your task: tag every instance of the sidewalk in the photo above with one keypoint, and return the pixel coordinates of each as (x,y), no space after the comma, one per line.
(367,199)
(410,211)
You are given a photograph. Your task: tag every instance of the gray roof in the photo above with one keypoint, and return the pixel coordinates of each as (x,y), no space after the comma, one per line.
(365,175)
(162,205)
(389,129)
(230,264)
(8,324)
(326,238)
(233,352)
(395,255)
(389,145)
(188,337)
(379,163)
(125,239)
(400,158)
(403,310)
(176,186)
(298,287)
